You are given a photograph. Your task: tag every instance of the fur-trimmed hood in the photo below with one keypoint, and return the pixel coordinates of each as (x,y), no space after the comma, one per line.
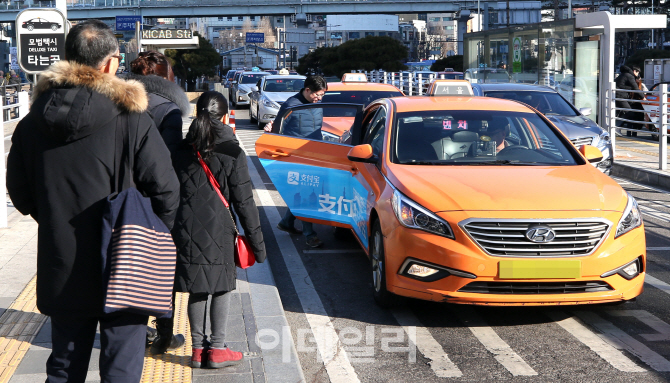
(128,95)
(164,88)
(71,101)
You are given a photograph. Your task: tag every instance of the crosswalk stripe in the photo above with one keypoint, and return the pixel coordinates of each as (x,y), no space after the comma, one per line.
(619,339)
(662,329)
(659,284)
(594,342)
(427,345)
(501,351)
(646,210)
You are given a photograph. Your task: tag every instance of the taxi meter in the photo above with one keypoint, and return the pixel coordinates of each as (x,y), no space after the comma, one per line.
(354,77)
(450,88)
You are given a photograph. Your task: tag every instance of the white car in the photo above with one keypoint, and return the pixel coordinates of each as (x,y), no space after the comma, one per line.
(242,88)
(269,93)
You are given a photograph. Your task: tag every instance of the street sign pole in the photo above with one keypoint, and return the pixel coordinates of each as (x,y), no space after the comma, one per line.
(138,36)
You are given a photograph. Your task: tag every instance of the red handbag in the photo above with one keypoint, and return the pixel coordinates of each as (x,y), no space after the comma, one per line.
(244,256)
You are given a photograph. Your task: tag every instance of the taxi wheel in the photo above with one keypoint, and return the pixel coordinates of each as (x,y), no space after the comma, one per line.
(382,296)
(252,119)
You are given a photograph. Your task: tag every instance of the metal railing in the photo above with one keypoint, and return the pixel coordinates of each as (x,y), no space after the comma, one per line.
(409,83)
(655,112)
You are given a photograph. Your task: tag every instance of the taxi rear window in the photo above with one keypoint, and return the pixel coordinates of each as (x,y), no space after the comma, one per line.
(476,137)
(358,96)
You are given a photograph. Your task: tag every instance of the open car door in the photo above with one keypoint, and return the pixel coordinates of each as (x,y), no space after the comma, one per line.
(312,173)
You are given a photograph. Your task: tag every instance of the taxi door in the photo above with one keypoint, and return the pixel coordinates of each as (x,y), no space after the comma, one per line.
(313,175)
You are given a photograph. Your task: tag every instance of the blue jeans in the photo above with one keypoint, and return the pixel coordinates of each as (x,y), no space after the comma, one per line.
(307,227)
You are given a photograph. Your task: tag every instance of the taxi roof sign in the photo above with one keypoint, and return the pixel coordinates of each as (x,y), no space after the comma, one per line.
(354,77)
(450,88)
(255,69)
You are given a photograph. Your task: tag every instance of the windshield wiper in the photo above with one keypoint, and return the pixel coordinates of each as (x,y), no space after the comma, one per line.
(422,163)
(508,162)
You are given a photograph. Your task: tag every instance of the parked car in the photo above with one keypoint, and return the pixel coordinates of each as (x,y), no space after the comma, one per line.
(571,121)
(242,87)
(487,75)
(269,94)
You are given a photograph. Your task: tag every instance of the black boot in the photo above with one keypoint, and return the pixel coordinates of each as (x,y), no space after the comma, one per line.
(166,341)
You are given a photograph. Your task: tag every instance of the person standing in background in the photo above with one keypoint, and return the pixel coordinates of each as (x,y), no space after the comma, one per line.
(167,104)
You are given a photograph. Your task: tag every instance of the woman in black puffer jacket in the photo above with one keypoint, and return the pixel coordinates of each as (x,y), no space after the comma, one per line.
(204,231)
(167,101)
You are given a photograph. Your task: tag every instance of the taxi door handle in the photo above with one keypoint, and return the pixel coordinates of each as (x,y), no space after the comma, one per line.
(275,154)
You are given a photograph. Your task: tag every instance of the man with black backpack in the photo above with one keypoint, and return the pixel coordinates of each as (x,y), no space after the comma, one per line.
(60,170)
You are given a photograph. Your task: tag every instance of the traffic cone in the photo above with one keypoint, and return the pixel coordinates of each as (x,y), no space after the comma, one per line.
(231,121)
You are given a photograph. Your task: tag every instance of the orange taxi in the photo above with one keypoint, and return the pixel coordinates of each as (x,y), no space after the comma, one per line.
(467,200)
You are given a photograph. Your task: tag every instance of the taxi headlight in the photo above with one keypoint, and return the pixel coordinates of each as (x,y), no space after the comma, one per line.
(414,216)
(269,103)
(630,219)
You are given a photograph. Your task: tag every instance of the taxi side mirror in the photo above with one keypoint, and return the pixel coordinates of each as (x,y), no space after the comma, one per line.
(585,111)
(362,153)
(254,88)
(591,153)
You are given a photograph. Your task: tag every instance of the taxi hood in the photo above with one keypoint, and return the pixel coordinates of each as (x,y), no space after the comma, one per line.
(508,188)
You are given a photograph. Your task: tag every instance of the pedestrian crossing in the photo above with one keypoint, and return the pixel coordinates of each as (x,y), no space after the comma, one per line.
(601,332)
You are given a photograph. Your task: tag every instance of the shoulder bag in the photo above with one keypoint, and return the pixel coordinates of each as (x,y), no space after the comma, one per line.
(138,254)
(244,256)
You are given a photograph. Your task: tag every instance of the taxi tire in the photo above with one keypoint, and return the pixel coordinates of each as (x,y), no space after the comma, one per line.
(382,296)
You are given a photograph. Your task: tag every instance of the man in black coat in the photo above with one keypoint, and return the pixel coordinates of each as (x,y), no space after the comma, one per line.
(60,170)
(306,124)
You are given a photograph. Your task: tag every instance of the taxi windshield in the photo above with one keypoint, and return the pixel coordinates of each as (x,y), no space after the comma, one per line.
(548,103)
(477,137)
(251,78)
(284,85)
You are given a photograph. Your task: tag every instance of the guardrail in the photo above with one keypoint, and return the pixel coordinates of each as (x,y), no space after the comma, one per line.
(655,112)
(15,104)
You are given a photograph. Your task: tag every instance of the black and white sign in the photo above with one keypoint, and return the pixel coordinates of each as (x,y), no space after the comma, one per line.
(40,34)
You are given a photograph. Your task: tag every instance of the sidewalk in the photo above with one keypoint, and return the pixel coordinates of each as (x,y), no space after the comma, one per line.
(636,158)
(25,334)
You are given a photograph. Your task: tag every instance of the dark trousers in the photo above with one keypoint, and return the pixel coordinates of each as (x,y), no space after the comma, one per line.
(122,340)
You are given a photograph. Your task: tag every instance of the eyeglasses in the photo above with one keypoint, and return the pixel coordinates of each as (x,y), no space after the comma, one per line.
(318,95)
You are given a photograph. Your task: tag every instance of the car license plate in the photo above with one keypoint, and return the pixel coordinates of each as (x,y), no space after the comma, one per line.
(539,269)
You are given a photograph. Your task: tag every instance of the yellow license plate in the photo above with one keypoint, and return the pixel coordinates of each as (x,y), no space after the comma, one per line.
(539,269)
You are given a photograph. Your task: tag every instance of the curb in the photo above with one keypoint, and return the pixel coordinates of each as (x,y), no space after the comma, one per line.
(646,176)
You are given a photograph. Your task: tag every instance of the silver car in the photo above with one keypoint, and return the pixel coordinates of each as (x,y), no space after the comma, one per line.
(242,88)
(572,122)
(269,93)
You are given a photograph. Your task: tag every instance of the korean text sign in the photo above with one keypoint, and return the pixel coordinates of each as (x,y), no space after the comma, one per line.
(41,38)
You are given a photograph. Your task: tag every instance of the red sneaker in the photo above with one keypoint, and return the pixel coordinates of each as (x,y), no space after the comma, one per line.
(199,358)
(223,357)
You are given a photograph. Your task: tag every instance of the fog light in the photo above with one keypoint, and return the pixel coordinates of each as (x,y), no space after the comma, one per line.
(631,269)
(240,98)
(269,116)
(421,271)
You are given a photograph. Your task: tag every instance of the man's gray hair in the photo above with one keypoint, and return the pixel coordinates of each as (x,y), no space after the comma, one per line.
(90,43)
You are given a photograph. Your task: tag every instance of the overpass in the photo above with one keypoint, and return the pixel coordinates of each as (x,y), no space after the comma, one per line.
(105,9)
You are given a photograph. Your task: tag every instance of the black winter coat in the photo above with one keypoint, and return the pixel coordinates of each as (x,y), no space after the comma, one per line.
(60,170)
(626,80)
(167,104)
(301,123)
(204,231)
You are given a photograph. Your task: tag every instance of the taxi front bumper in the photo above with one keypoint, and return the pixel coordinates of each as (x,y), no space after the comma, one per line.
(465,257)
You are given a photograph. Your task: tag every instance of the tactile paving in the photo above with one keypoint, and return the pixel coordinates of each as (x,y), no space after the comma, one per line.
(172,366)
(19,325)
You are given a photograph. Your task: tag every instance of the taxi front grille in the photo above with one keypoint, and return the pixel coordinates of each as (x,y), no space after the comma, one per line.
(509,237)
(579,141)
(535,287)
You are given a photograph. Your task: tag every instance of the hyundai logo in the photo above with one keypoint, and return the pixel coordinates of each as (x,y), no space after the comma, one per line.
(540,234)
